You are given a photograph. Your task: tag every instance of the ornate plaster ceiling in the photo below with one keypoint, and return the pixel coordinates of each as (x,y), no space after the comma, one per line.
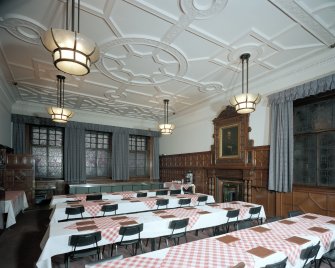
(184,50)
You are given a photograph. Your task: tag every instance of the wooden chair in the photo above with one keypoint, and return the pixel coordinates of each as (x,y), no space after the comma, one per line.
(83,240)
(162,202)
(329,257)
(78,210)
(309,254)
(130,230)
(92,197)
(184,202)
(178,228)
(162,192)
(109,208)
(254,213)
(294,213)
(202,199)
(142,194)
(231,215)
(175,192)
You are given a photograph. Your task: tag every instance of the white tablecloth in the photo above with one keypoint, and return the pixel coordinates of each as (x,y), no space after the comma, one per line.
(56,199)
(55,240)
(230,249)
(179,186)
(15,202)
(92,208)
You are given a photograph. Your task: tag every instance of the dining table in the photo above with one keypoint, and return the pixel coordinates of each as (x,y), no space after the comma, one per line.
(56,199)
(252,247)
(14,203)
(155,224)
(127,204)
(178,185)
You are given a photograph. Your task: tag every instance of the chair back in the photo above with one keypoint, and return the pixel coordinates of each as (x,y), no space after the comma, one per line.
(294,213)
(109,208)
(82,240)
(162,202)
(309,254)
(131,230)
(255,210)
(280,264)
(254,213)
(233,213)
(162,192)
(184,201)
(202,198)
(142,194)
(174,192)
(74,211)
(178,224)
(94,197)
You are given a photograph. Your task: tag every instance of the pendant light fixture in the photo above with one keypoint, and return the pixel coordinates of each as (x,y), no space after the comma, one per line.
(246,102)
(59,114)
(166,128)
(72,52)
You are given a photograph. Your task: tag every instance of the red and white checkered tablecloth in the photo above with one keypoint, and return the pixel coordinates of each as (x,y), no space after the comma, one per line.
(181,213)
(206,253)
(137,261)
(242,206)
(128,194)
(301,228)
(150,202)
(109,228)
(250,239)
(81,197)
(94,207)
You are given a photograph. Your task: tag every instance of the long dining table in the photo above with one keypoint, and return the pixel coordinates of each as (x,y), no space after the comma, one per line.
(252,247)
(14,203)
(155,224)
(127,204)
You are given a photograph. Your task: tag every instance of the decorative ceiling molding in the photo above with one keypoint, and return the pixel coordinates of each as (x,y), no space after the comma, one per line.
(297,12)
(186,51)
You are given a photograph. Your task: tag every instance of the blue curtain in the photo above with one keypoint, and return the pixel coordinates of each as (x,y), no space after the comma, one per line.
(19,137)
(74,146)
(120,152)
(281,130)
(155,159)
(74,155)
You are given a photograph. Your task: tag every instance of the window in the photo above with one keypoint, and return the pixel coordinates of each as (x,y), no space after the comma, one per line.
(314,141)
(47,149)
(138,155)
(98,154)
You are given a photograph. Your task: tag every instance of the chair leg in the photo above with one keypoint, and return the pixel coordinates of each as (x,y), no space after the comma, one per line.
(141,246)
(159,243)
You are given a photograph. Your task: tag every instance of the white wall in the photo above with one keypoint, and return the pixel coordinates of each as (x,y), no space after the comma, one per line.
(195,133)
(34,109)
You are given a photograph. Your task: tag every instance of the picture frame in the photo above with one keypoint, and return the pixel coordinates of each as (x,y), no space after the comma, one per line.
(229,141)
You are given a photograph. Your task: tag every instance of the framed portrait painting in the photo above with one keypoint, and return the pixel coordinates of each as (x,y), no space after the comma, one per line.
(229,137)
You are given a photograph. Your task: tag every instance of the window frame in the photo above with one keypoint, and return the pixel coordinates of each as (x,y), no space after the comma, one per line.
(136,152)
(97,149)
(316,134)
(48,146)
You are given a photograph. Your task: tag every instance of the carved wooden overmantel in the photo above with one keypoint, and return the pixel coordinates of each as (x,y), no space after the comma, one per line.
(230,119)
(231,161)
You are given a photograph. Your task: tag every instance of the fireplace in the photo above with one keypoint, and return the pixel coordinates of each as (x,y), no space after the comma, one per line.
(230,190)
